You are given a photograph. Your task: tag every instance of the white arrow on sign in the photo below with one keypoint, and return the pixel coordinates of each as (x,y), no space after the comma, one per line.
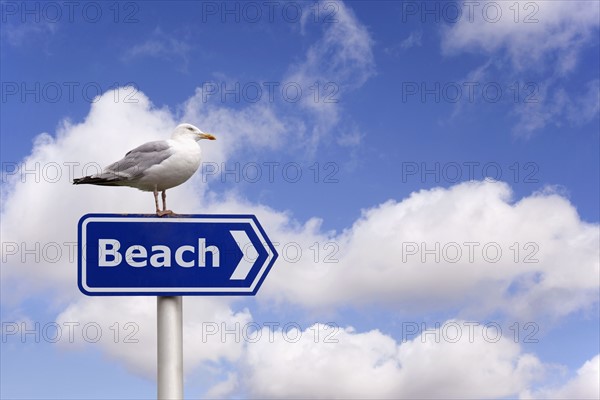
(243,268)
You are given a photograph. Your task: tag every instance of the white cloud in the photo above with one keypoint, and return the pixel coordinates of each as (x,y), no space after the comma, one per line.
(127,327)
(541,33)
(542,39)
(555,106)
(413,40)
(157,48)
(350,139)
(223,388)
(255,127)
(585,385)
(161,45)
(371,268)
(436,364)
(20,34)
(341,60)
(343,54)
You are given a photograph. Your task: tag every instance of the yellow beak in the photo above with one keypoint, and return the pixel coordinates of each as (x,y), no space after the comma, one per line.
(206,136)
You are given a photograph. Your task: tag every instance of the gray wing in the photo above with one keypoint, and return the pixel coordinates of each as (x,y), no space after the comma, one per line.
(132,167)
(138,160)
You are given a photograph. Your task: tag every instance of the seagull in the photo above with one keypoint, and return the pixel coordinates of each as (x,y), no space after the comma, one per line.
(155,166)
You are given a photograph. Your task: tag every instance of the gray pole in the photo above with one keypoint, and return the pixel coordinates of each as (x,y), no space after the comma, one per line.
(170,347)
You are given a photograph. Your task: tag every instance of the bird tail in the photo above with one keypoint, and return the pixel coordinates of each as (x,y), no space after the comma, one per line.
(96,180)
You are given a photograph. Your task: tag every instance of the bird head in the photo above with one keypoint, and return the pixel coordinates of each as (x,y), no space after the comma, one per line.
(190,130)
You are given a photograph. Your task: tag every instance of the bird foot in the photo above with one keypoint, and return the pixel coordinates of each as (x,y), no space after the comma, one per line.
(164,212)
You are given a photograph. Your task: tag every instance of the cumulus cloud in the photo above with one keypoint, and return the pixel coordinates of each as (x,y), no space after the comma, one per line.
(125,327)
(439,363)
(470,246)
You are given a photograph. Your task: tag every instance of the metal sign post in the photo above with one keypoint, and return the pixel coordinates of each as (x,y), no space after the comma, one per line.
(170,347)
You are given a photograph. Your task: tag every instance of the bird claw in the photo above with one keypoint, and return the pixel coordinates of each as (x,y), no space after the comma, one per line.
(164,212)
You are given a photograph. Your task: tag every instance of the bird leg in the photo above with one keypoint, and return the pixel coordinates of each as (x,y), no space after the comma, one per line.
(164,202)
(156,200)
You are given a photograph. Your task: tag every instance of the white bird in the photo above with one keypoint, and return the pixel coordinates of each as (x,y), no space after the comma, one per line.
(155,166)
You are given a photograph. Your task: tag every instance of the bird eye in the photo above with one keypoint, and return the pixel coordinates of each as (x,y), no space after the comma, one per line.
(190,128)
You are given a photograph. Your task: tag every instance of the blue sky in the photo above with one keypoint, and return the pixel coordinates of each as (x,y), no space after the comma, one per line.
(375,126)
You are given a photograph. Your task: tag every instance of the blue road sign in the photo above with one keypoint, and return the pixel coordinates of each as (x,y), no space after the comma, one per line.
(129,255)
